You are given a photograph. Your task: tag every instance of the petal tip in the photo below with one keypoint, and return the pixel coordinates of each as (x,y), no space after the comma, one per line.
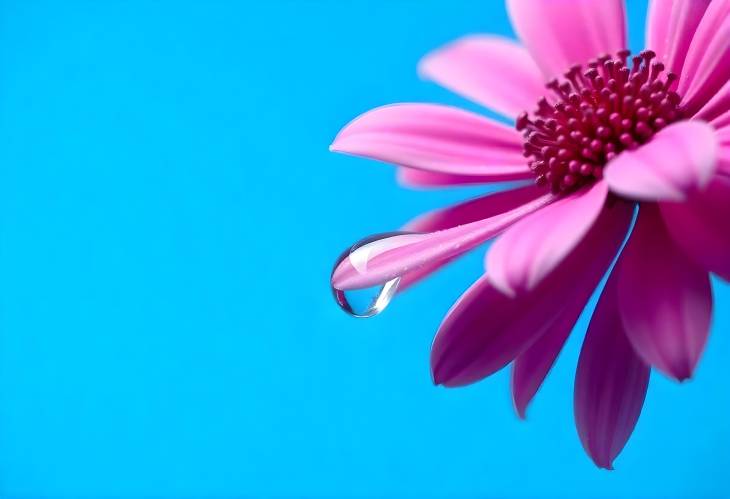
(521,412)
(437,375)
(683,376)
(603,462)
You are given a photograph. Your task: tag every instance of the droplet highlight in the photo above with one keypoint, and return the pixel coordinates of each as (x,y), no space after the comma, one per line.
(370,301)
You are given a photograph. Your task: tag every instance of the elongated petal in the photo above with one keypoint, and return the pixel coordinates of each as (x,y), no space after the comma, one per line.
(671,24)
(658,20)
(486,329)
(436,138)
(610,383)
(701,226)
(424,179)
(716,107)
(532,248)
(475,210)
(665,299)
(492,71)
(678,161)
(532,366)
(385,259)
(707,66)
(561,33)
(471,211)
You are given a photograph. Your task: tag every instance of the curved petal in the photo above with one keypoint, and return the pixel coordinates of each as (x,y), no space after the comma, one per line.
(701,226)
(385,259)
(677,161)
(474,210)
(436,138)
(610,383)
(665,299)
(532,366)
(707,66)
(561,33)
(492,71)
(424,179)
(716,107)
(486,329)
(671,24)
(532,248)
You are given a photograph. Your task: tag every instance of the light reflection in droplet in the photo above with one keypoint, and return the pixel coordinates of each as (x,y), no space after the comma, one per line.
(366,302)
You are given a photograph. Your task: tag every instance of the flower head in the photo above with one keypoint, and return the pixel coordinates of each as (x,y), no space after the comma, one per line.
(598,136)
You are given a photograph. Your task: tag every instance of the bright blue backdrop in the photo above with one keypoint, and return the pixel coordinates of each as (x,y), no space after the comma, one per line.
(169,217)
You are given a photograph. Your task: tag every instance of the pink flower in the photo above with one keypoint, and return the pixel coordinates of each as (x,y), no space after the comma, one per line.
(610,134)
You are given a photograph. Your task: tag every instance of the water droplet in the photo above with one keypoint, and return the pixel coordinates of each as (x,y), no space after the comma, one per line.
(366,302)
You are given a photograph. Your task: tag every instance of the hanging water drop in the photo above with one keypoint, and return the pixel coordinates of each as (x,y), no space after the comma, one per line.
(370,301)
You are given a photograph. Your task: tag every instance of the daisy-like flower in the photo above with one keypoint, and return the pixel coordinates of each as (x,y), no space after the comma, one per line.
(604,138)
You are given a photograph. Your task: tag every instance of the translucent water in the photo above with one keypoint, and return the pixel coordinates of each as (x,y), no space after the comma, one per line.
(370,301)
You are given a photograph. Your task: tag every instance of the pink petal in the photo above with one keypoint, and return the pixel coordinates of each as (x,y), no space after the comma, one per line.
(385,259)
(475,210)
(532,366)
(701,226)
(658,19)
(532,248)
(723,137)
(410,177)
(677,161)
(561,33)
(610,383)
(707,66)
(722,121)
(665,299)
(723,163)
(493,71)
(436,138)
(486,329)
(671,24)
(716,107)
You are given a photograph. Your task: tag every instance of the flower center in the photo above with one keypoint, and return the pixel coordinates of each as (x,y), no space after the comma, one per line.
(596,115)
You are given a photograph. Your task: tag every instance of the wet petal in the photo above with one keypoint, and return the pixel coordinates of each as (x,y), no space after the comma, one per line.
(532,248)
(561,33)
(677,161)
(492,71)
(486,329)
(474,210)
(391,257)
(610,383)
(436,138)
(665,299)
(701,226)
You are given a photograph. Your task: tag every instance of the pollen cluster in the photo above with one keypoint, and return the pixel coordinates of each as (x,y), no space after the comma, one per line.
(595,114)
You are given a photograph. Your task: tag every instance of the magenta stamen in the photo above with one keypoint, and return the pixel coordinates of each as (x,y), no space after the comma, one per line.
(594,115)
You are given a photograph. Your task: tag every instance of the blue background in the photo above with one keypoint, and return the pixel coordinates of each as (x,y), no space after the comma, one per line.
(169,217)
